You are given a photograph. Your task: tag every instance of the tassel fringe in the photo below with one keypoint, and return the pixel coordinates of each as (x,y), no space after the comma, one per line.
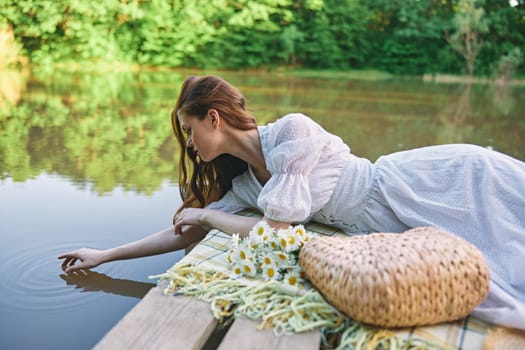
(284,309)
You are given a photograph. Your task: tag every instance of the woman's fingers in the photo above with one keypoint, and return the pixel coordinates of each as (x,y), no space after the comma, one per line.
(69,260)
(76,267)
(177,223)
(177,228)
(65,262)
(73,266)
(66,265)
(178,217)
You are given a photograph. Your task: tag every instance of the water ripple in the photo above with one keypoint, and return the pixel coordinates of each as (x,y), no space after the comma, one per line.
(34,280)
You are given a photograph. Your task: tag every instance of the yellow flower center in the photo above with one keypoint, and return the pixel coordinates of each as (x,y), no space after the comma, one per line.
(242,255)
(271,273)
(247,269)
(267,260)
(292,280)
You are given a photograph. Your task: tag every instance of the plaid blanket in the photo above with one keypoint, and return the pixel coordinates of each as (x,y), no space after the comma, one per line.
(467,333)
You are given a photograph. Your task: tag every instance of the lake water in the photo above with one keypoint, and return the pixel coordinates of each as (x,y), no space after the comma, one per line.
(88,159)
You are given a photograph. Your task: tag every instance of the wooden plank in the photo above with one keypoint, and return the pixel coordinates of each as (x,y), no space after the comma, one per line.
(243,334)
(162,322)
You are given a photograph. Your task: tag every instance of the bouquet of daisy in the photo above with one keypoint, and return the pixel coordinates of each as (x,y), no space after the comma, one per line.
(269,253)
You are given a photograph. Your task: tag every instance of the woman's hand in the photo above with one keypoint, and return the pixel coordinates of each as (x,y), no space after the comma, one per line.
(88,258)
(189,216)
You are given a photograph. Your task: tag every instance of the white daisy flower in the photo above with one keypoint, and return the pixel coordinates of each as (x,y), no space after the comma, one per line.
(260,232)
(300,232)
(282,239)
(248,268)
(292,278)
(293,241)
(244,253)
(268,259)
(271,273)
(282,258)
(237,270)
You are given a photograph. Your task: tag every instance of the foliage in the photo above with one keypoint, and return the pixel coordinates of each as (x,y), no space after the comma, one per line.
(468,24)
(506,31)
(407,35)
(508,63)
(402,37)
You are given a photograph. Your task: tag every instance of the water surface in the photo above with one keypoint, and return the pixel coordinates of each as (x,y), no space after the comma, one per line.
(87,159)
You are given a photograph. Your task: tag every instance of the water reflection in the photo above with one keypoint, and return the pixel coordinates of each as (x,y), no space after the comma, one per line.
(89,128)
(113,129)
(502,98)
(91,281)
(453,119)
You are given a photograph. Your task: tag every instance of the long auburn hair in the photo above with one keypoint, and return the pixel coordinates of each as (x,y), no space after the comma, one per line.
(201,183)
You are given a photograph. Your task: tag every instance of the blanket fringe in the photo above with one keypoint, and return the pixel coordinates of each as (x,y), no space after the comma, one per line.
(285,310)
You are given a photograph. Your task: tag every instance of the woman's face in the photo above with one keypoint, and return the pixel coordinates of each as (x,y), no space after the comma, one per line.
(201,135)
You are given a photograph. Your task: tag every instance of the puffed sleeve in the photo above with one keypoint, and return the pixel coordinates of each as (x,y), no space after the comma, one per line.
(296,146)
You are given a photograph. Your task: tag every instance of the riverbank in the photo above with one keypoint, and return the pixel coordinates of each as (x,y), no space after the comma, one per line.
(351,74)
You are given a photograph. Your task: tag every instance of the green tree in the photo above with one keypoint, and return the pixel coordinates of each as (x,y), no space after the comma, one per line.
(402,37)
(506,31)
(333,34)
(407,36)
(54,31)
(468,24)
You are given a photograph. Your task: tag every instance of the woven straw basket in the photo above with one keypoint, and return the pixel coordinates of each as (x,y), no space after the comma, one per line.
(423,276)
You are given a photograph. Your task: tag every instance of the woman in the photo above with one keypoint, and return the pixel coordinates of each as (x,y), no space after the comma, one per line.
(294,171)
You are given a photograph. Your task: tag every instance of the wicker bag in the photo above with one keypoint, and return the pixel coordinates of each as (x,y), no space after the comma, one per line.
(423,276)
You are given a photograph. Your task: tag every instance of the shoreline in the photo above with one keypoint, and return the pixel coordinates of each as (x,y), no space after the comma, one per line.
(352,74)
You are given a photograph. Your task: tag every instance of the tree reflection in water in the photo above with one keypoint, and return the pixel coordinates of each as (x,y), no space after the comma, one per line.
(454,128)
(104,130)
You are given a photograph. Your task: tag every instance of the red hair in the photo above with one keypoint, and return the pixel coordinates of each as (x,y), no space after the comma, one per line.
(201,183)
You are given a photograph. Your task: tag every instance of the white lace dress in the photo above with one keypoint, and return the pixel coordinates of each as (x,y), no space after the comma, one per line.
(473,192)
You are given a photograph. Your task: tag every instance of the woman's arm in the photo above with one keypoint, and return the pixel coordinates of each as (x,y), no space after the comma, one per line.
(157,243)
(225,222)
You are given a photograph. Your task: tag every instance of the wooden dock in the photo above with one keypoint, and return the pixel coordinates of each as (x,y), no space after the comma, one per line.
(160,321)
